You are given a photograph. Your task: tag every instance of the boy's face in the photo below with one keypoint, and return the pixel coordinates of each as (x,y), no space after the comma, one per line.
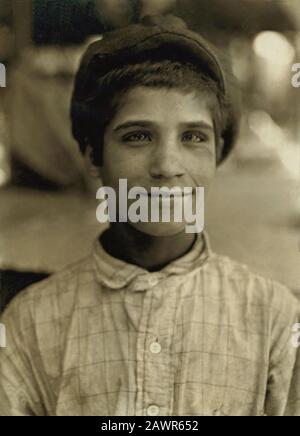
(160,138)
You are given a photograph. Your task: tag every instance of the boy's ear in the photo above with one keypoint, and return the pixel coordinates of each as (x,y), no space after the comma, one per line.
(93,169)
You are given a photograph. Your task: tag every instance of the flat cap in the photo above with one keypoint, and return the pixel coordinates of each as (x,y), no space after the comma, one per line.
(157,38)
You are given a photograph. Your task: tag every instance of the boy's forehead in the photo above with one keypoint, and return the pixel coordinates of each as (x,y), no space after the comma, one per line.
(161,106)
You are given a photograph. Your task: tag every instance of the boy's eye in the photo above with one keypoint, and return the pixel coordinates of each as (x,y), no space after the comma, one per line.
(194,137)
(137,137)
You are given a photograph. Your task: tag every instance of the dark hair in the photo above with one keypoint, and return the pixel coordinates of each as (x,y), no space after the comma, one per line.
(91,117)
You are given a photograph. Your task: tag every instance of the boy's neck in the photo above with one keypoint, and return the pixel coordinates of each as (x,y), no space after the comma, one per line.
(149,252)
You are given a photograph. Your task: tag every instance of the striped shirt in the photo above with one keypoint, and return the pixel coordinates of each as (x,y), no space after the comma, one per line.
(204,336)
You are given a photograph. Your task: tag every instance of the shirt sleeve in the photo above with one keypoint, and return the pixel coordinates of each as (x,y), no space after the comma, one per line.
(283,390)
(18,390)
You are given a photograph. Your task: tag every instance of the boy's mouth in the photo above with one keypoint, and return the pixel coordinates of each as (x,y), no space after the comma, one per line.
(169,192)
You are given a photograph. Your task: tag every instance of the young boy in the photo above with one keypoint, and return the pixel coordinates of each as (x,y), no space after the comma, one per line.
(152,322)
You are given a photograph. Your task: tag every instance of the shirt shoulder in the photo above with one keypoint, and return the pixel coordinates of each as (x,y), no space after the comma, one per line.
(51,299)
(251,286)
(259,302)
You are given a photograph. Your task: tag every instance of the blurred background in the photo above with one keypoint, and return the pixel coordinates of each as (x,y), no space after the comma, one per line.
(47,213)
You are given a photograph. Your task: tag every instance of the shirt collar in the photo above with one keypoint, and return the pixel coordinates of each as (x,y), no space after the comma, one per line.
(116,274)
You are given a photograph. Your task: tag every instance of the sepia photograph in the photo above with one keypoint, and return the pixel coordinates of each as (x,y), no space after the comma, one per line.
(150,210)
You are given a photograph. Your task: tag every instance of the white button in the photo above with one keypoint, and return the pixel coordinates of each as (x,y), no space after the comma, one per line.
(153,410)
(155,348)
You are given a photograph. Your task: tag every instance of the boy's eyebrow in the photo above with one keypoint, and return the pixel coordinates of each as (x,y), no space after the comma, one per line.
(199,124)
(147,124)
(137,123)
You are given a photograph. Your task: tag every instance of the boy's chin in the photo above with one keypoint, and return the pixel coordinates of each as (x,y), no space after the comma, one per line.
(159,229)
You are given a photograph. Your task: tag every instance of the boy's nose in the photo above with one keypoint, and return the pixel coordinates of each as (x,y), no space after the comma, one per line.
(167,163)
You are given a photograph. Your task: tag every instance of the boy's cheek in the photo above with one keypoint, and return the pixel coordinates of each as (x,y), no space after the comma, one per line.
(204,175)
(124,167)
(112,173)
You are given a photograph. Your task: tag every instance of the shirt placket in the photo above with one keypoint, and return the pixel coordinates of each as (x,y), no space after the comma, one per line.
(155,374)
